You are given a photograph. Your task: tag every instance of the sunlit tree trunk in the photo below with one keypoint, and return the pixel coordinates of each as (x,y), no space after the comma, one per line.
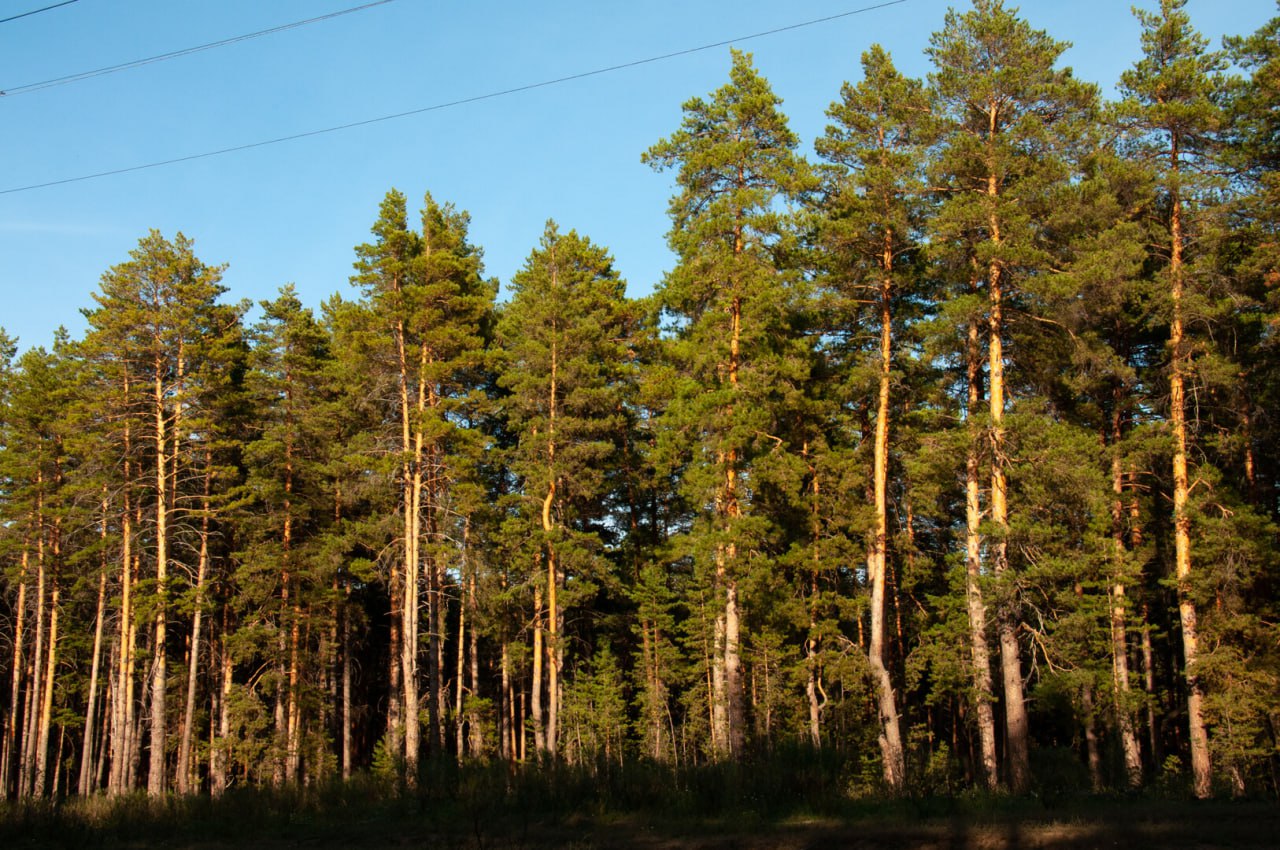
(85,783)
(1201,770)
(186,771)
(890,730)
(11,739)
(980,653)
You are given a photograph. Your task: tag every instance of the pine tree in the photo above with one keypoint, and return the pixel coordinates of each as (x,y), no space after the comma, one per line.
(1011,120)
(564,337)
(1171,110)
(426,293)
(874,215)
(159,330)
(731,299)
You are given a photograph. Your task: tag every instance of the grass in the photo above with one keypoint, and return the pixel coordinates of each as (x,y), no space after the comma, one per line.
(797,799)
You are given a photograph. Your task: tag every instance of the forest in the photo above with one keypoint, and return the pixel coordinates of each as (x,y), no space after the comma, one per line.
(941,452)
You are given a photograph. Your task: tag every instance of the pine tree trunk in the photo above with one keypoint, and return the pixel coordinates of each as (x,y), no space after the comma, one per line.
(551,734)
(1015,712)
(99,779)
(85,782)
(219,758)
(536,688)
(812,644)
(292,612)
(506,712)
(123,674)
(1201,770)
(159,667)
(459,719)
(473,709)
(31,717)
(41,784)
(346,688)
(11,739)
(978,646)
(891,752)
(411,445)
(733,695)
(1119,628)
(186,771)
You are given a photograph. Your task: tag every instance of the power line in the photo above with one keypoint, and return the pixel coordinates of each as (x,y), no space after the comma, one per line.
(174,54)
(38,11)
(450,104)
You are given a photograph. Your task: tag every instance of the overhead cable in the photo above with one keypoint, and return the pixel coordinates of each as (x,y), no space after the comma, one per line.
(9,91)
(38,11)
(449,104)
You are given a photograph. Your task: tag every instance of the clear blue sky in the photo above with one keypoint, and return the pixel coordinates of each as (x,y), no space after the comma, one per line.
(293,212)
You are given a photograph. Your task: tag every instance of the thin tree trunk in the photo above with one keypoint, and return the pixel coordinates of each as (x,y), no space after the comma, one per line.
(812,644)
(978,646)
(411,445)
(346,687)
(551,734)
(219,758)
(186,771)
(124,656)
(1093,755)
(159,667)
(136,688)
(31,716)
(85,783)
(736,715)
(99,780)
(1201,770)
(11,740)
(506,720)
(291,608)
(42,785)
(1015,712)
(891,752)
(1119,628)
(459,719)
(536,696)
(473,710)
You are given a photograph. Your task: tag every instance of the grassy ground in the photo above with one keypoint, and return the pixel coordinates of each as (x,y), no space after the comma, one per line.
(788,806)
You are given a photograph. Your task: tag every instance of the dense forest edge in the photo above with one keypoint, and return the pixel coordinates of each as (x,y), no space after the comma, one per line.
(937,479)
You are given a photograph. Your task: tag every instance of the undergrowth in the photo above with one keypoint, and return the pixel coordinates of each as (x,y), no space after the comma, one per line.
(462,804)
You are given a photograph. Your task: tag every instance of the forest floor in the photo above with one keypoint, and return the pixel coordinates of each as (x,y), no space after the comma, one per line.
(1187,833)
(1080,825)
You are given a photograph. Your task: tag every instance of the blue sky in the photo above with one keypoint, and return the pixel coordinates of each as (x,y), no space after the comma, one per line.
(293,212)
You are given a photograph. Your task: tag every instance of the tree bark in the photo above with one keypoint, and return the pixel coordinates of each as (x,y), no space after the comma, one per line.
(891,752)
(31,717)
(1119,627)
(1015,712)
(536,688)
(186,771)
(11,739)
(159,667)
(41,784)
(978,646)
(1201,770)
(85,783)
